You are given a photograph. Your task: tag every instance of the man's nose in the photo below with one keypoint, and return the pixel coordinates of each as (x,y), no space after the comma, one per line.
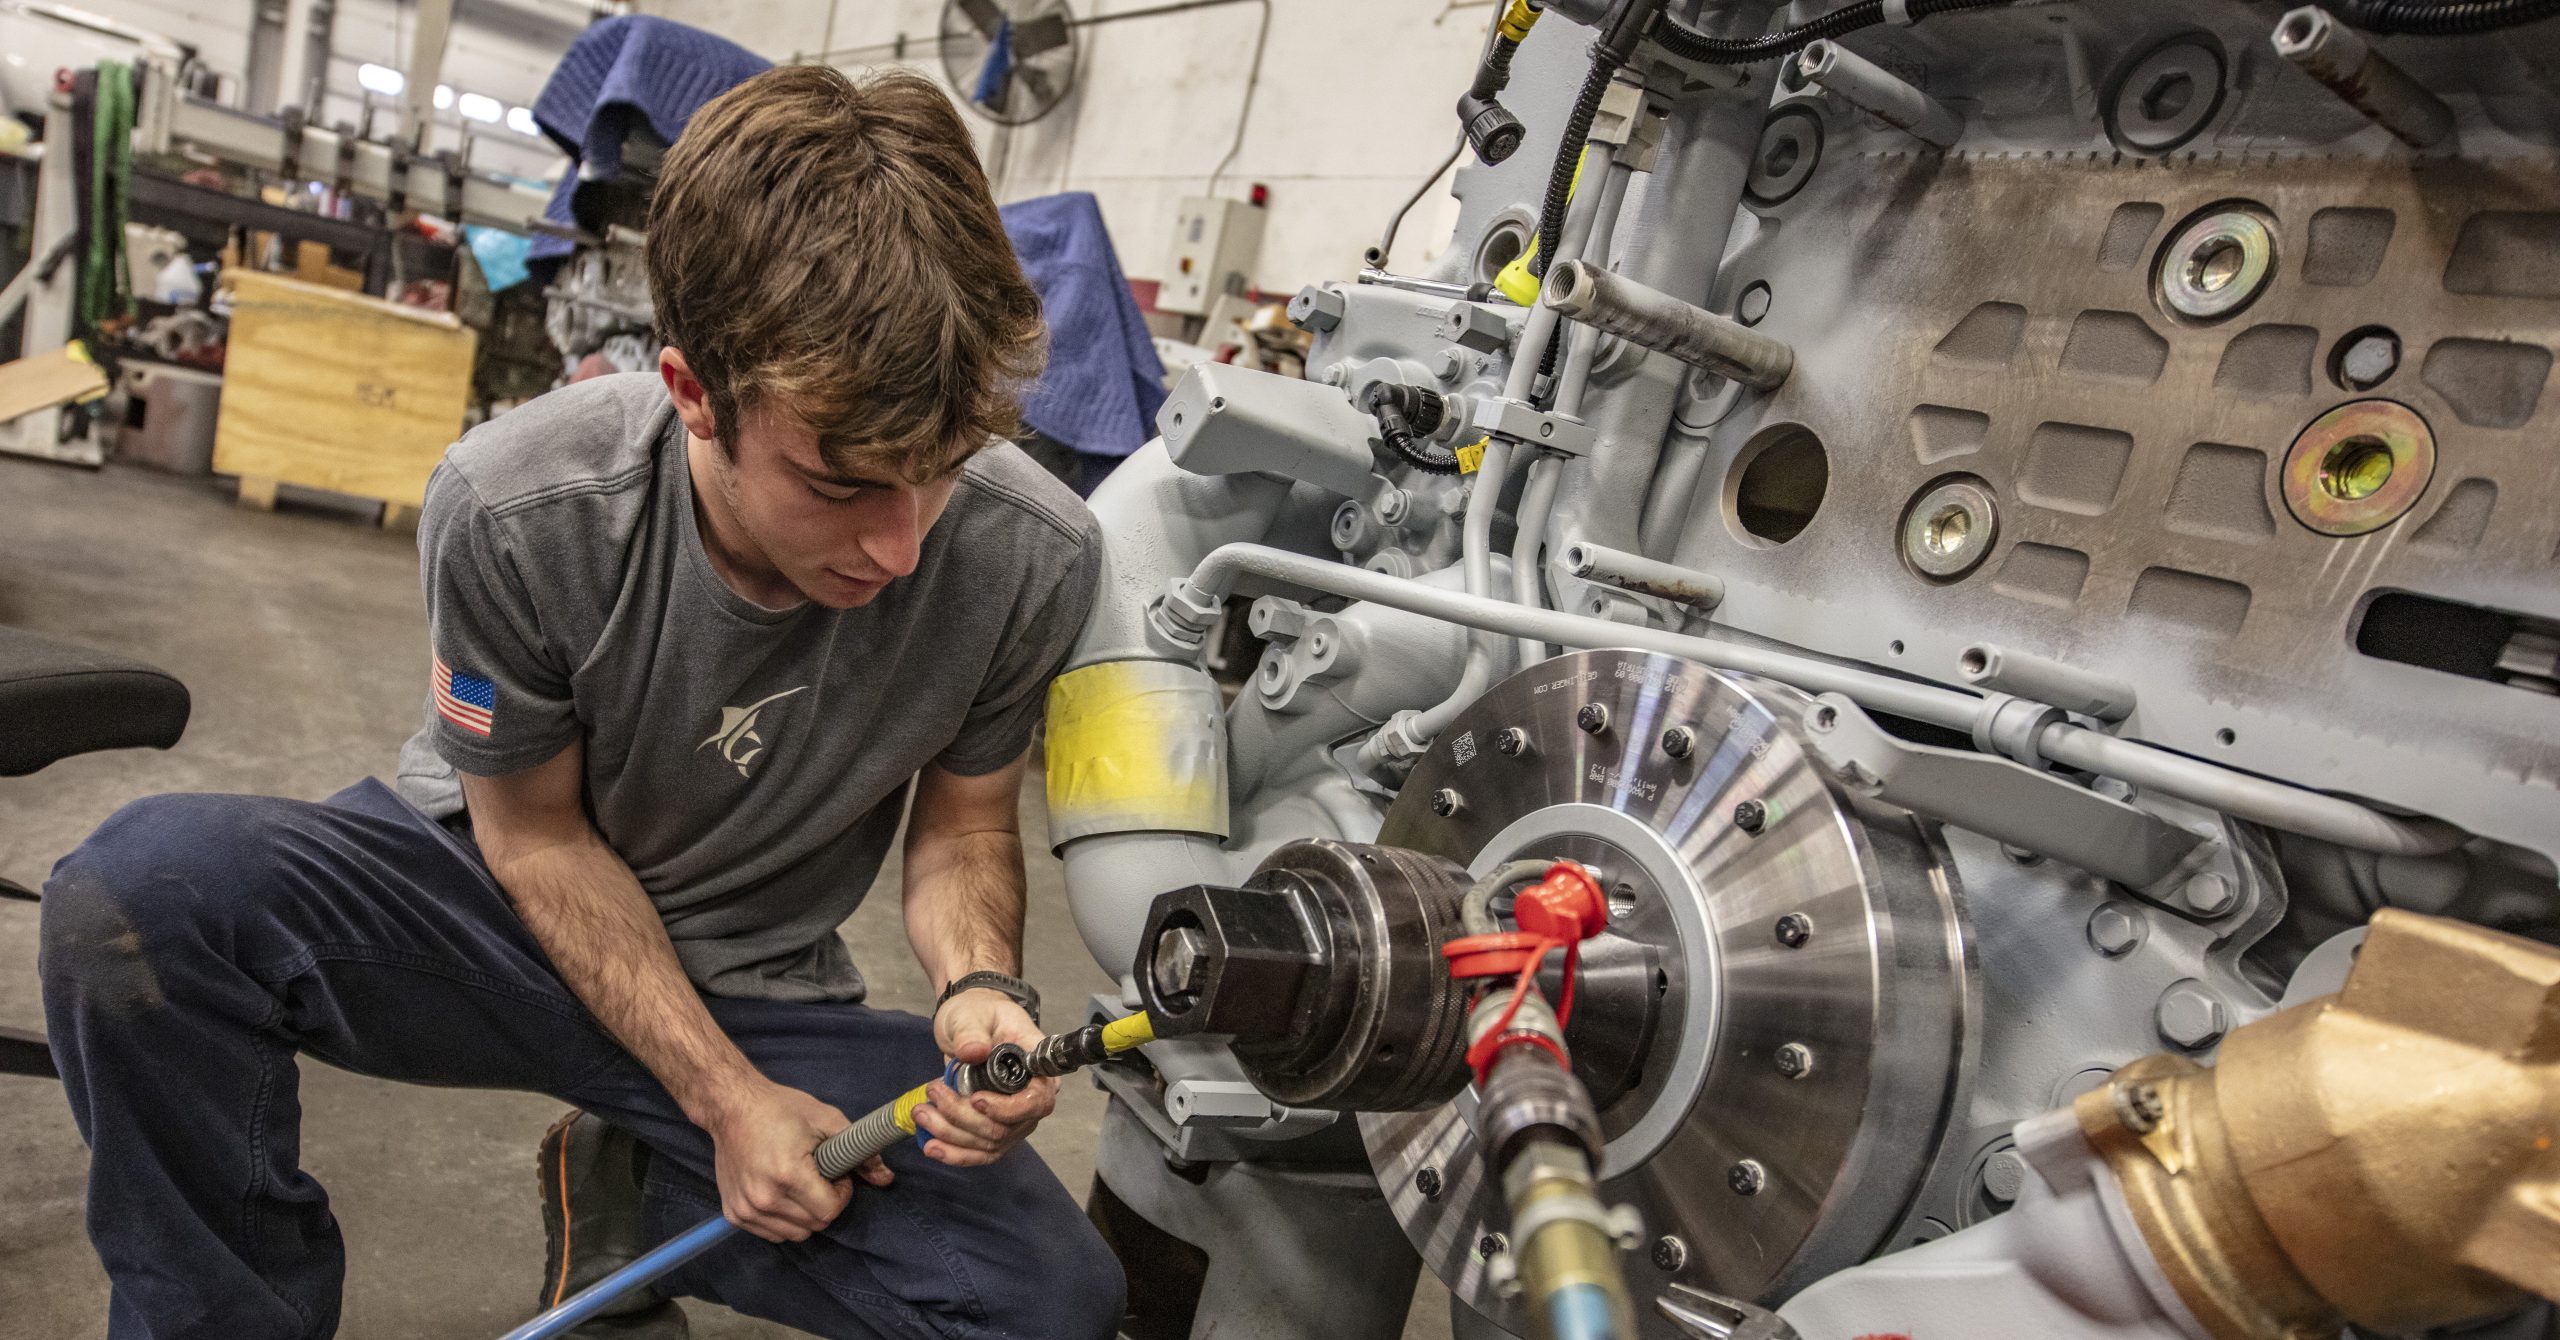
(897,541)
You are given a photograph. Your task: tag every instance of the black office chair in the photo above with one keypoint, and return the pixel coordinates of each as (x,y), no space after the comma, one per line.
(57,700)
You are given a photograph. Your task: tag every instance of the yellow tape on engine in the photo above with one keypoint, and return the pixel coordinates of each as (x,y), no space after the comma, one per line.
(1121,1034)
(1136,746)
(1514,280)
(1471,456)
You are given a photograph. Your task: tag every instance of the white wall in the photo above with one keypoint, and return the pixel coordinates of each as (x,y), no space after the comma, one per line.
(1355,104)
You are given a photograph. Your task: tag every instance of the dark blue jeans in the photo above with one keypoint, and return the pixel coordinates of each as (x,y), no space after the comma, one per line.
(196,943)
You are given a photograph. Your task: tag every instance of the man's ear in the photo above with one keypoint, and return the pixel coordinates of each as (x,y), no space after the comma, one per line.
(693,404)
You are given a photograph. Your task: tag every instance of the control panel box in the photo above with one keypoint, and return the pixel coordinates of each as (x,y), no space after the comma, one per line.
(1215,244)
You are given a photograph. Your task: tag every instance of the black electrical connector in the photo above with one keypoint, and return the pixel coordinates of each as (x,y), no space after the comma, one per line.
(1405,414)
(1492,131)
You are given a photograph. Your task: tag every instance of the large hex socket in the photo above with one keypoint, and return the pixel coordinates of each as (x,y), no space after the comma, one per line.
(1323,972)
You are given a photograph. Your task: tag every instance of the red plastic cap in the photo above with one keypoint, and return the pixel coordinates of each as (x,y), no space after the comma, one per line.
(1567,906)
(1260,195)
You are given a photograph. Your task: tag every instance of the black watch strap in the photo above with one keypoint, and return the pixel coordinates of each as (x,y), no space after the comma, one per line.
(1022,992)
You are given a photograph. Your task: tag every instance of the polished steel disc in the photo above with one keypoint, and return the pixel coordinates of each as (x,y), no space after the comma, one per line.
(1811,999)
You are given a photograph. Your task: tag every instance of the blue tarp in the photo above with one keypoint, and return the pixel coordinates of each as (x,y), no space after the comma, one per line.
(653,69)
(1104,381)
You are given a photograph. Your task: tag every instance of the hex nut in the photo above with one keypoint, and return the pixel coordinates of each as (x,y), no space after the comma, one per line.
(2191,1016)
(1751,816)
(1427,1181)
(1593,718)
(1316,309)
(2115,929)
(1180,955)
(1678,741)
(1669,1253)
(2210,894)
(1445,802)
(1473,327)
(1754,305)
(1746,1177)
(1511,742)
(1794,1060)
(1793,930)
(2369,359)
(1491,1245)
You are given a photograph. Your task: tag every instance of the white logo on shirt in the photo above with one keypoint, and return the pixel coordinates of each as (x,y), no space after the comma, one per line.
(737,738)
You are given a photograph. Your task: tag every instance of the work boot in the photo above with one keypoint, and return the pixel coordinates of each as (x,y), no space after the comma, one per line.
(592,1226)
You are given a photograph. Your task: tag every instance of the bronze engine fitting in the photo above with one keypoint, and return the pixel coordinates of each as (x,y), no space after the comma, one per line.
(2383,1156)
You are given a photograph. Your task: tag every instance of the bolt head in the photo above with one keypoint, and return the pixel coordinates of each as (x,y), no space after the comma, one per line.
(2192,1016)
(1427,1181)
(2370,361)
(1593,718)
(1511,742)
(1751,816)
(2211,894)
(1182,954)
(2114,929)
(1754,307)
(1491,1245)
(1746,1177)
(1678,741)
(1793,930)
(2003,1175)
(1444,802)
(1669,1253)
(1794,1060)
(2139,1107)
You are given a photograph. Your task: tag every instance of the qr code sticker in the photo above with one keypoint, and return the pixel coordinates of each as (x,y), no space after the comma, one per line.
(1462,750)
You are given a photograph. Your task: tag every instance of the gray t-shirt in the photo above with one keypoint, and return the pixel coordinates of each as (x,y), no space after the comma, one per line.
(749,764)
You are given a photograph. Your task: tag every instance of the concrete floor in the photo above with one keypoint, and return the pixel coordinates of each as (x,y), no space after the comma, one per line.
(302,638)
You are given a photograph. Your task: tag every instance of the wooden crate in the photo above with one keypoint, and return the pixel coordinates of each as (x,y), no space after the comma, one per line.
(337,391)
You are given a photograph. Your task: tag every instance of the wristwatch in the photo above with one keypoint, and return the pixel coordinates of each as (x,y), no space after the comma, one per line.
(1022,992)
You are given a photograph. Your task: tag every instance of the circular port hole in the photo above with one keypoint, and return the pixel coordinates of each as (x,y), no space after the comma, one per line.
(1947,530)
(2214,265)
(1777,484)
(1501,246)
(2356,468)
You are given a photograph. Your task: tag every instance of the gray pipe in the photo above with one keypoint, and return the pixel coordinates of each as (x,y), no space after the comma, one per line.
(2347,65)
(1873,89)
(1665,324)
(2255,799)
(1644,576)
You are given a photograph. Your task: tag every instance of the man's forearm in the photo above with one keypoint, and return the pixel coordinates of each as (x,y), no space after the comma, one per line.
(964,901)
(582,903)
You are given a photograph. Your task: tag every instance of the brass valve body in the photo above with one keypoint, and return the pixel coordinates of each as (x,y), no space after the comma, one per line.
(2384,1156)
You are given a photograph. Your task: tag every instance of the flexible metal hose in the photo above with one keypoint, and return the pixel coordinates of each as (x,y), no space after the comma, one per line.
(2441,18)
(1689,44)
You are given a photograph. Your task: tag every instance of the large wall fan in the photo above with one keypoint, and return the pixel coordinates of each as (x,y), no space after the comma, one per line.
(1012,60)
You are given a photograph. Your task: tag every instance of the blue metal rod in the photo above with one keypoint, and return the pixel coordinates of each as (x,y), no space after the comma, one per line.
(666,1256)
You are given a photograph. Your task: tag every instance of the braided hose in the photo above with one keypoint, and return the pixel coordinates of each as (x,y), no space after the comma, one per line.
(2441,18)
(1689,44)
(1577,133)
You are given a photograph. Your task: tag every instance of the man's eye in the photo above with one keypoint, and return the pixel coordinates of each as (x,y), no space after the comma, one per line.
(839,499)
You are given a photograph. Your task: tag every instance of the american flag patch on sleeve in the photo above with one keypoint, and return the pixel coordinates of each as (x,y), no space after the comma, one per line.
(465,700)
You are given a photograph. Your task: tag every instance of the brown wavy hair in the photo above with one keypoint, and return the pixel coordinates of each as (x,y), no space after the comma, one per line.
(826,249)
